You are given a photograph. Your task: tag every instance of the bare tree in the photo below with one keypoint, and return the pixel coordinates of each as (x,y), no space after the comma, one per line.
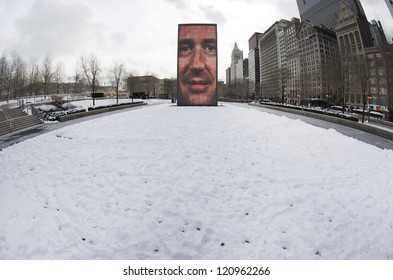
(33,77)
(242,88)
(3,71)
(170,88)
(116,76)
(334,82)
(343,83)
(77,80)
(6,75)
(58,76)
(91,68)
(283,83)
(388,61)
(364,81)
(46,73)
(18,74)
(252,89)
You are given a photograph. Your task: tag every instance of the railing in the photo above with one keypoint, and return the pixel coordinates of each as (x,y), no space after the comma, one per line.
(37,113)
(8,118)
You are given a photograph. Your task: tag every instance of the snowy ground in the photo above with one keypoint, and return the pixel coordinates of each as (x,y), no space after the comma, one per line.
(104,102)
(167,182)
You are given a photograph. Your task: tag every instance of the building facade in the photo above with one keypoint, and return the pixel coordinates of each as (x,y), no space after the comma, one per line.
(270,57)
(237,55)
(352,56)
(354,62)
(389,3)
(241,85)
(146,87)
(253,65)
(228,76)
(324,12)
(378,34)
(318,63)
(380,69)
(292,61)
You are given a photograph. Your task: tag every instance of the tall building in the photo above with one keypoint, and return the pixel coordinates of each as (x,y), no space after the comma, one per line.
(380,74)
(318,57)
(253,41)
(239,71)
(353,55)
(237,55)
(253,65)
(292,61)
(270,57)
(379,37)
(242,70)
(324,12)
(228,76)
(390,6)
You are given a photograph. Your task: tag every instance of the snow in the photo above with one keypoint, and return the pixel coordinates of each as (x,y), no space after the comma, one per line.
(168,182)
(46,107)
(86,103)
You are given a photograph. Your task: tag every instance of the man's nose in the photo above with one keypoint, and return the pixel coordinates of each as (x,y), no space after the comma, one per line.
(198,61)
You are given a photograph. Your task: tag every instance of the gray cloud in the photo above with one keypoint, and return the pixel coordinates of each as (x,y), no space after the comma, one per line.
(213,15)
(55,26)
(180,4)
(249,2)
(118,38)
(2,6)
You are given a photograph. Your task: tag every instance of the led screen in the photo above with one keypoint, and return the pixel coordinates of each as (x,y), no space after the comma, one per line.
(197,65)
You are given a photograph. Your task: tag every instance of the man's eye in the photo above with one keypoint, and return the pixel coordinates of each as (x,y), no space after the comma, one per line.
(185,49)
(210,48)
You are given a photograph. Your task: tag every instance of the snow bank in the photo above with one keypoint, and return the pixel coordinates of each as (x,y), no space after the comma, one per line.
(105,102)
(167,182)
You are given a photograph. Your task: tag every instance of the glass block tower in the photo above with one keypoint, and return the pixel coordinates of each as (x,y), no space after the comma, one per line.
(390,6)
(325,12)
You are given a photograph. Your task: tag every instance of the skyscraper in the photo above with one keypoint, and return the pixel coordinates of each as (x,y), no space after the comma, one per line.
(253,63)
(272,50)
(292,61)
(318,60)
(237,55)
(324,12)
(390,6)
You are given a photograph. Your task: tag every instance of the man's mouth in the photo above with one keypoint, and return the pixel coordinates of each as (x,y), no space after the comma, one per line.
(198,86)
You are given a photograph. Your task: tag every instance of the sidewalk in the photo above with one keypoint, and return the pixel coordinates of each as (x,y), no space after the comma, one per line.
(380,129)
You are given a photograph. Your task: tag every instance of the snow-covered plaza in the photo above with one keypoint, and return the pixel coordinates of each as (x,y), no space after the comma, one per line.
(168,182)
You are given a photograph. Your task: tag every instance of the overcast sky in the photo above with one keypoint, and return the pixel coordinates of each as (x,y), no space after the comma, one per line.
(140,33)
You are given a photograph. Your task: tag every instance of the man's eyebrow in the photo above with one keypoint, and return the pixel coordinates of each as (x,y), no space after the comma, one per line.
(186,42)
(209,41)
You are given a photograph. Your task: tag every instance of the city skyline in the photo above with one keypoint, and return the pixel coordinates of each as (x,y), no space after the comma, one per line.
(142,35)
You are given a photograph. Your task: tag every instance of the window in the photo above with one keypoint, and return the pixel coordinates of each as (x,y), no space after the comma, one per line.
(382,82)
(381,72)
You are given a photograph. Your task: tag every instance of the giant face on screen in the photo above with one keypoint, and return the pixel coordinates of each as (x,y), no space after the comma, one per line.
(197,65)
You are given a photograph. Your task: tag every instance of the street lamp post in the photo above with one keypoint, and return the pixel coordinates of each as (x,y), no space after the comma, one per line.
(368,105)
